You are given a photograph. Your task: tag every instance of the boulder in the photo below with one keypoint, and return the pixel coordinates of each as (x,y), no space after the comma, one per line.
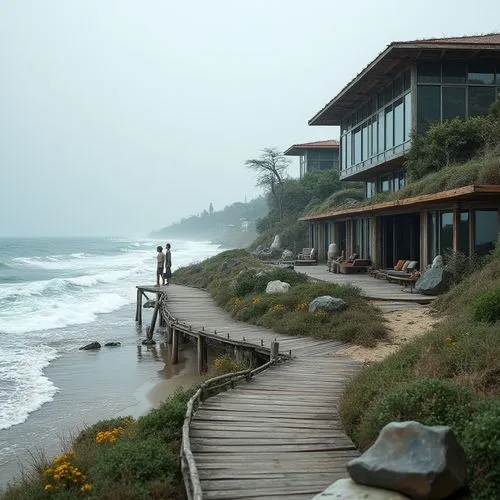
(277,286)
(91,347)
(347,489)
(276,244)
(433,281)
(287,255)
(419,461)
(149,304)
(327,303)
(112,344)
(333,251)
(438,261)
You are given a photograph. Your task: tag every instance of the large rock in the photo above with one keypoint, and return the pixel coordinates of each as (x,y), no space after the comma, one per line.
(327,303)
(347,489)
(277,286)
(333,251)
(438,261)
(276,244)
(91,347)
(419,461)
(433,281)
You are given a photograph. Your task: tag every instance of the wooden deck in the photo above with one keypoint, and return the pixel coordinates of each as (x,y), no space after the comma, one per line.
(279,435)
(375,289)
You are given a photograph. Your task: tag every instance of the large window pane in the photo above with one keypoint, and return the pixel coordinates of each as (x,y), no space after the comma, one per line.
(374,136)
(486,230)
(357,146)
(399,126)
(428,106)
(348,149)
(432,235)
(480,100)
(453,102)
(365,141)
(446,231)
(370,188)
(498,74)
(381,132)
(453,72)
(481,72)
(342,153)
(386,184)
(407,117)
(389,128)
(429,72)
(464,232)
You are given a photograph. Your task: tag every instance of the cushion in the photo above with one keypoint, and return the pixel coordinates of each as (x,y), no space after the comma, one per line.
(412,265)
(405,265)
(399,265)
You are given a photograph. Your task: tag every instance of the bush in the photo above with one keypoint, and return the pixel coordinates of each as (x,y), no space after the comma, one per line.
(254,282)
(460,265)
(428,401)
(481,442)
(486,307)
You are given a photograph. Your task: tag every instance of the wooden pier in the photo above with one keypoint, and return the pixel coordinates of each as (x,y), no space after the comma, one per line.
(277,433)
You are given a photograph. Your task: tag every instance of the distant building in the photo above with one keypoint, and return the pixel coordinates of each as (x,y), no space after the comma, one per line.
(320,155)
(405,88)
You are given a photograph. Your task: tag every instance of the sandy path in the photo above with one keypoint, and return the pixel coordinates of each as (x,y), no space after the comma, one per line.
(403,325)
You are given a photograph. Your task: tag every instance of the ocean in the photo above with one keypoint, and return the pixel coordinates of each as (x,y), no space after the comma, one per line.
(56,295)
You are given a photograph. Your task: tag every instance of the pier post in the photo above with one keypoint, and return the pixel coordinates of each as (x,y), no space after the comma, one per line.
(275,349)
(162,323)
(175,346)
(138,307)
(153,319)
(202,354)
(170,328)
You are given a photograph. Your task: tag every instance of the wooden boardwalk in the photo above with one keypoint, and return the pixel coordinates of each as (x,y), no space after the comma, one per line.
(371,288)
(279,435)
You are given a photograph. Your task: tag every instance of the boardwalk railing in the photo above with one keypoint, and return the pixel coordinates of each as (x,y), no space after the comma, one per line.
(208,388)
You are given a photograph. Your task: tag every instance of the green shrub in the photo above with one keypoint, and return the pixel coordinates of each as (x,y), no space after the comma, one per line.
(428,401)
(481,442)
(139,460)
(89,434)
(486,307)
(253,282)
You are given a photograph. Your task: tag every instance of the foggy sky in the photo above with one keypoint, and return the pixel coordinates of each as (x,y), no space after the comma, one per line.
(119,117)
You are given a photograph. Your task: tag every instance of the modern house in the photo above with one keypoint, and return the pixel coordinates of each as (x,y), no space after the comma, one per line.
(320,155)
(404,89)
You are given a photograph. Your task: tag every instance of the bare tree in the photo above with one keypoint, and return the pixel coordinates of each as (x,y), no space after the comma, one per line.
(271,170)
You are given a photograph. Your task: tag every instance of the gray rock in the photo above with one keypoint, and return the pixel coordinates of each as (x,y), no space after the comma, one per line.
(112,344)
(327,303)
(332,251)
(277,286)
(276,244)
(419,461)
(91,347)
(433,281)
(347,489)
(149,304)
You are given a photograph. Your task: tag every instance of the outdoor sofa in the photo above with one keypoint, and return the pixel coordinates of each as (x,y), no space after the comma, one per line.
(356,266)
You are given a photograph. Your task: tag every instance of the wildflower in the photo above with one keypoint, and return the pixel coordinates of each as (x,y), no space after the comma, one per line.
(48,488)
(86,488)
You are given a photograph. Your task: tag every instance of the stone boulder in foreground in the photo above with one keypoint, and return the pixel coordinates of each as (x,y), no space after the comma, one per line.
(327,303)
(416,460)
(347,489)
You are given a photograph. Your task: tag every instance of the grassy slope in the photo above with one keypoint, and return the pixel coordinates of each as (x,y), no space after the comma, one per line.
(462,353)
(233,279)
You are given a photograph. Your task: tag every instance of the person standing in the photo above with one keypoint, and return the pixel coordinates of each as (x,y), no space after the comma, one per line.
(160,263)
(168,264)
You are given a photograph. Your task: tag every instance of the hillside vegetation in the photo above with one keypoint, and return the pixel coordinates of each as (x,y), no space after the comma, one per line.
(237,280)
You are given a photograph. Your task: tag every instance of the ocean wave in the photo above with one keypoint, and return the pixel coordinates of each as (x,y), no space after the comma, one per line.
(22,368)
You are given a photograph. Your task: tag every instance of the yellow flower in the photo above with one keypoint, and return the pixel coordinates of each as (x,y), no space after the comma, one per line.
(48,488)
(86,488)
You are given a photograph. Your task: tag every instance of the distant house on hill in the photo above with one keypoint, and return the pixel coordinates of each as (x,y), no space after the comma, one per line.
(320,155)
(405,88)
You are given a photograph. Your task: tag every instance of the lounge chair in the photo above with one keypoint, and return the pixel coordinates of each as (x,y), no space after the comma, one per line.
(403,269)
(356,266)
(307,256)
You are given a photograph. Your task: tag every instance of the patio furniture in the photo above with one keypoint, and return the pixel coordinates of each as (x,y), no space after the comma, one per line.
(306,257)
(356,266)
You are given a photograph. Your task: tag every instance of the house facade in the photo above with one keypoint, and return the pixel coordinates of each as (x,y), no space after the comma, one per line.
(406,88)
(320,155)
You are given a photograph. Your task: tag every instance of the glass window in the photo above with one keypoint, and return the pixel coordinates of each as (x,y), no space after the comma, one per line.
(386,184)
(407,117)
(480,100)
(370,188)
(381,132)
(389,128)
(464,232)
(398,86)
(432,235)
(498,74)
(486,230)
(453,72)
(374,150)
(388,93)
(446,231)
(406,80)
(399,126)
(429,72)
(399,180)
(453,102)
(481,72)
(357,146)
(365,141)
(348,149)
(342,153)
(428,106)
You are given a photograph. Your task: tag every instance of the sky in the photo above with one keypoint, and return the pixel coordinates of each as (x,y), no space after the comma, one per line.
(120,117)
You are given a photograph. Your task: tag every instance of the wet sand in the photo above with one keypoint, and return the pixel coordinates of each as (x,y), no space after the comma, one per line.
(94,385)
